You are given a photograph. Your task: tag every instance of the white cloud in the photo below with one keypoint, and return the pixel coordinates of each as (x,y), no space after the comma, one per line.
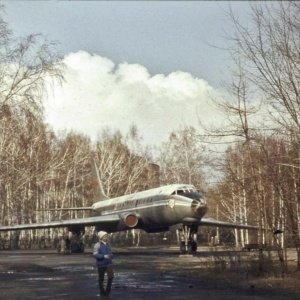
(97,94)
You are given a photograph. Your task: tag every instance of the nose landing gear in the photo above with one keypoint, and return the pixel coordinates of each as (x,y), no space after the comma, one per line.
(188,239)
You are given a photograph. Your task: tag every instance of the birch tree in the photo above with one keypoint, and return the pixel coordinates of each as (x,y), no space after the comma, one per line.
(183,158)
(122,170)
(27,65)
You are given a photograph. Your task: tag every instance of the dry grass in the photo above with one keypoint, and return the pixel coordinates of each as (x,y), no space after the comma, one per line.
(231,271)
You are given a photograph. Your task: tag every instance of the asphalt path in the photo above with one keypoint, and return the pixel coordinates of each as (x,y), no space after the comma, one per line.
(139,274)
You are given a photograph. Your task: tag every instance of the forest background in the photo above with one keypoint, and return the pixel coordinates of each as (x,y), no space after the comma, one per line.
(255,172)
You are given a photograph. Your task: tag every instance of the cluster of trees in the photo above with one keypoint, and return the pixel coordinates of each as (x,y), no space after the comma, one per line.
(39,169)
(258,173)
(261,168)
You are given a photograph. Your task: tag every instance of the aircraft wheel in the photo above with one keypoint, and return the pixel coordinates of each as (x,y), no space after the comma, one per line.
(81,250)
(182,248)
(74,248)
(192,247)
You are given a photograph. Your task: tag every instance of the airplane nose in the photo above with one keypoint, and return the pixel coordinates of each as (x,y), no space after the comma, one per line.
(197,205)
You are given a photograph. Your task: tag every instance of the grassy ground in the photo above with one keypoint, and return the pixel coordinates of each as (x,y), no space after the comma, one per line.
(242,274)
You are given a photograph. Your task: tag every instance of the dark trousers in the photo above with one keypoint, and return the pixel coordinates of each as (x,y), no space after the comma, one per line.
(110,276)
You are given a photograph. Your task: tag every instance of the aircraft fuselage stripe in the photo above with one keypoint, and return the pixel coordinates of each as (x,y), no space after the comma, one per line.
(162,203)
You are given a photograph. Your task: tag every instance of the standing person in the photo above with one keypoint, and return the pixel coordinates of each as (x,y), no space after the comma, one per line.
(104,256)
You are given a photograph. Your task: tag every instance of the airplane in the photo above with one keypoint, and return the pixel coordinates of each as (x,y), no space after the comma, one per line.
(153,210)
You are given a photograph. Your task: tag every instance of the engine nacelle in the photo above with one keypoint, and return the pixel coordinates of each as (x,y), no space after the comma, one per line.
(128,221)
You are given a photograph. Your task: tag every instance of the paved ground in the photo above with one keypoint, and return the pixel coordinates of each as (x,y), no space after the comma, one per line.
(139,274)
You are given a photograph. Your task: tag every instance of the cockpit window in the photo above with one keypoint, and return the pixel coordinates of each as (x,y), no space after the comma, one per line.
(185,189)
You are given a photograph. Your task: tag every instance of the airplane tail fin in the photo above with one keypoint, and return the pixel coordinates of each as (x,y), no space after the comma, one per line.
(97,184)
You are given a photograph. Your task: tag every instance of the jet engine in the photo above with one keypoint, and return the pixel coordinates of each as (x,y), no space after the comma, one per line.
(129,220)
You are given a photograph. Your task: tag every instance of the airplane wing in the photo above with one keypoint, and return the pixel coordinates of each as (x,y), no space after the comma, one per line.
(92,221)
(67,209)
(216,223)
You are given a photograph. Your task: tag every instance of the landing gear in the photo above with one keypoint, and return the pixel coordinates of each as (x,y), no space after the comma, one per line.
(64,245)
(73,245)
(188,239)
(77,245)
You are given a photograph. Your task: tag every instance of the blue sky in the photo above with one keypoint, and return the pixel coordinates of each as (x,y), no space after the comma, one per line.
(150,45)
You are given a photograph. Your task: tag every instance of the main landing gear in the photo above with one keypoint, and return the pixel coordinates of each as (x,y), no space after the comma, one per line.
(77,245)
(188,239)
(72,245)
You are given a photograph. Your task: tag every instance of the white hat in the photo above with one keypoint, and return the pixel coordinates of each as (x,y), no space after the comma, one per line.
(101,234)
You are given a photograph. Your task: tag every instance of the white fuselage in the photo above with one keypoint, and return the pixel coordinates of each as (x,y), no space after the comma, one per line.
(156,208)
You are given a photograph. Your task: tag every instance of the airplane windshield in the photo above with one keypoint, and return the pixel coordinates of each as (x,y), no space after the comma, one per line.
(185,189)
